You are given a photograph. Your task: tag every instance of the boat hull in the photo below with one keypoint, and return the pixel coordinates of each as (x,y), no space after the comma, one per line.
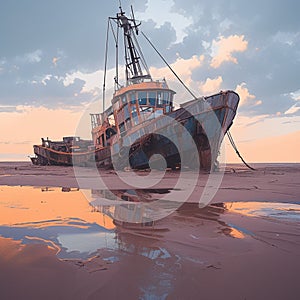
(48,156)
(206,121)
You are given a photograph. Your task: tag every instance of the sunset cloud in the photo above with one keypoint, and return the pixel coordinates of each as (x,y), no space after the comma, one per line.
(245,96)
(292,110)
(223,49)
(183,67)
(211,86)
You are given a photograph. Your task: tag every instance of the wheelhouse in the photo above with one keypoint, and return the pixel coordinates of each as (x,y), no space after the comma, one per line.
(136,104)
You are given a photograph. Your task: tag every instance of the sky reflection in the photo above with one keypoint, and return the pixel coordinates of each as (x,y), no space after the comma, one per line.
(61,218)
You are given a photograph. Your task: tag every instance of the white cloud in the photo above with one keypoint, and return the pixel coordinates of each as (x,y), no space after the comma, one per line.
(223,48)
(296,95)
(93,81)
(225,24)
(31,57)
(46,78)
(287,38)
(295,108)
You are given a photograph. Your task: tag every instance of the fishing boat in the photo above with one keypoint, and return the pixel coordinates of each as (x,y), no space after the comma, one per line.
(141,128)
(64,153)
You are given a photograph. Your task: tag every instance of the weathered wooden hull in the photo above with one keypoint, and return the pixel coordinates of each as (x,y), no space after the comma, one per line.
(206,121)
(48,156)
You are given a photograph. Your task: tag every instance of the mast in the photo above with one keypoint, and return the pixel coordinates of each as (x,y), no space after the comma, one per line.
(136,69)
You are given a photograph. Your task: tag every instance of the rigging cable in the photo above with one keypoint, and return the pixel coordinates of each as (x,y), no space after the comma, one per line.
(237,151)
(193,95)
(152,45)
(105,65)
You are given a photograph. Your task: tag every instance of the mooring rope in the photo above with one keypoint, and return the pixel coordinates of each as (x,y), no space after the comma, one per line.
(193,95)
(237,151)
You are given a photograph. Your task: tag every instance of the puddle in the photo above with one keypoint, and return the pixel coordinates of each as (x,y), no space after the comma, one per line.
(273,210)
(77,223)
(61,218)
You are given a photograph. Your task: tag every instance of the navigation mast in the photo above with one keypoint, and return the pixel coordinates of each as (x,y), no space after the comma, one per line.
(136,67)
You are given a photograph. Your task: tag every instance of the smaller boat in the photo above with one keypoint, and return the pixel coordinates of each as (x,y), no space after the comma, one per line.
(63,153)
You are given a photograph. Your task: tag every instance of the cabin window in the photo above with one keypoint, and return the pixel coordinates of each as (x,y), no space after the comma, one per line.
(132,98)
(152,98)
(166,97)
(128,124)
(168,108)
(122,127)
(124,99)
(135,120)
(142,97)
(159,99)
(126,112)
(133,111)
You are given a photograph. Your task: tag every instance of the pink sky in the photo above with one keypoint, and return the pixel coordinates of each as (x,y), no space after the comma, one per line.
(256,142)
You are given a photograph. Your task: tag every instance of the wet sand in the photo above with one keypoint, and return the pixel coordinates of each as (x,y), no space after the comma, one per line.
(270,182)
(219,252)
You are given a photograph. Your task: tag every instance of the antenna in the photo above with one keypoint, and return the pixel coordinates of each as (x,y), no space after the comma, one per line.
(120,7)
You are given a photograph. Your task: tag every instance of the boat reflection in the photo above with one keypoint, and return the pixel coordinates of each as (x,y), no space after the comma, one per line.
(77,223)
(80,225)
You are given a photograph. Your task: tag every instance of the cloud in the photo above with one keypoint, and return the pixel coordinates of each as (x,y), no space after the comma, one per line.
(218,30)
(223,48)
(296,95)
(245,96)
(165,14)
(31,58)
(211,86)
(8,109)
(92,81)
(292,110)
(46,78)
(55,60)
(183,67)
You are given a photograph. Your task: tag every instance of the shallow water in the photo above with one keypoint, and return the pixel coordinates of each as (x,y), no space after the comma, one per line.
(79,224)
(274,210)
(76,224)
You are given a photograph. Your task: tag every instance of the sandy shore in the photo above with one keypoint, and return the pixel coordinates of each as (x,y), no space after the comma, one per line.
(219,252)
(270,182)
